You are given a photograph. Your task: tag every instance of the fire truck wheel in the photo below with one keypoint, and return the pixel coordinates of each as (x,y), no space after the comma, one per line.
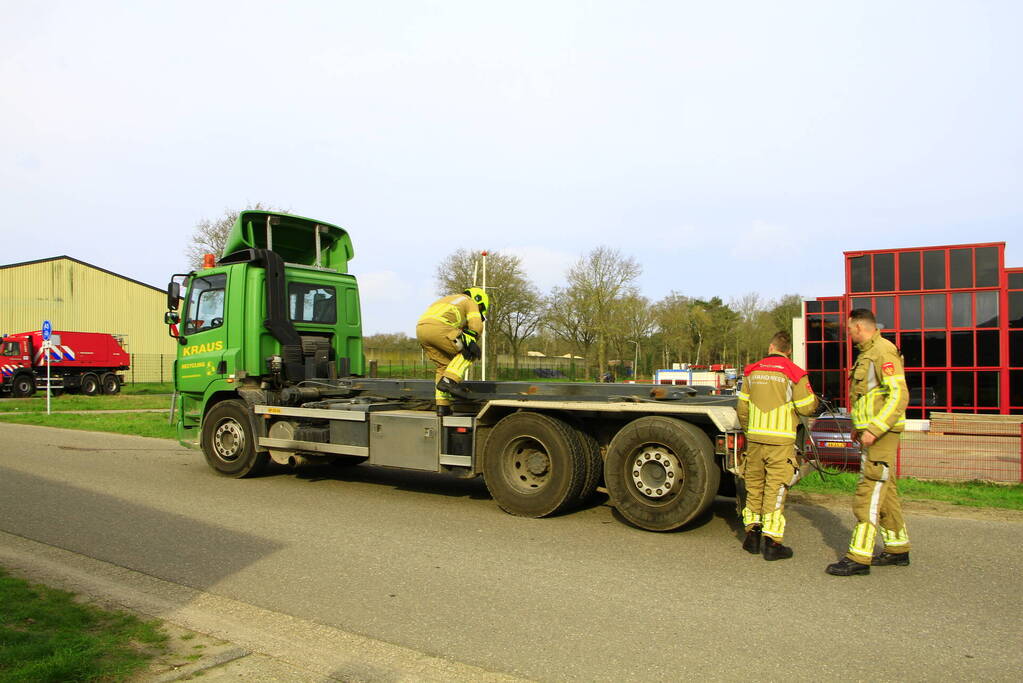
(228,441)
(534,465)
(660,472)
(111,383)
(90,385)
(23,386)
(594,460)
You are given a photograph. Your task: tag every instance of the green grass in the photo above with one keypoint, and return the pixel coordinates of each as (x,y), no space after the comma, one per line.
(78,402)
(46,636)
(136,424)
(973,493)
(148,388)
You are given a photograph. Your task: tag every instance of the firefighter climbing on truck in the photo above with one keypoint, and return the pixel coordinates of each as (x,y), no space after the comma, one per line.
(449,333)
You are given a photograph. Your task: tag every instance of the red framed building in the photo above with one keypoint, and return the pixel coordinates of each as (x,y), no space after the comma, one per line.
(955,312)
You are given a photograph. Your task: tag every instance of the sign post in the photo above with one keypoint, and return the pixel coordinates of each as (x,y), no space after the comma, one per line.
(47,330)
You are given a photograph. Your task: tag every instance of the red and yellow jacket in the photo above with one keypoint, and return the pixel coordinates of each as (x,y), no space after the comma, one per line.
(773,390)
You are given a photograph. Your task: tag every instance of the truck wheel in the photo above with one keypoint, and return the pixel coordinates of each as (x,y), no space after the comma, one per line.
(90,385)
(228,441)
(111,383)
(660,472)
(534,465)
(594,465)
(23,386)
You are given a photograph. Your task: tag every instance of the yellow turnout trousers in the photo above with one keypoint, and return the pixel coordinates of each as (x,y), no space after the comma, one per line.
(877,503)
(438,341)
(769,471)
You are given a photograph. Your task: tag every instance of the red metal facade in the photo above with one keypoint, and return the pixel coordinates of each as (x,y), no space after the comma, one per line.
(954,311)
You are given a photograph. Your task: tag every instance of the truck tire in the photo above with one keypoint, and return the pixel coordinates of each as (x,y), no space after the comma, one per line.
(111,383)
(534,465)
(594,465)
(90,385)
(23,386)
(660,472)
(229,443)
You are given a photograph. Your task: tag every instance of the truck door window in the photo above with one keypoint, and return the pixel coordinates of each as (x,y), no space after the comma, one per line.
(11,349)
(205,304)
(312,303)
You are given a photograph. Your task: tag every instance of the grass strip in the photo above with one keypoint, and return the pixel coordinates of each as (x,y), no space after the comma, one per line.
(37,403)
(46,636)
(136,424)
(973,493)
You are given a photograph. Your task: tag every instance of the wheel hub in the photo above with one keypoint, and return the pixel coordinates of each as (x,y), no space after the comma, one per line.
(656,472)
(537,463)
(228,440)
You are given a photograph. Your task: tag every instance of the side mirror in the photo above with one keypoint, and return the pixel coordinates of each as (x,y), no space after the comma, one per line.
(173,295)
(171,318)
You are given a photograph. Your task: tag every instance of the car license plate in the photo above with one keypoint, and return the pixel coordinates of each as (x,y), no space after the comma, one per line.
(836,444)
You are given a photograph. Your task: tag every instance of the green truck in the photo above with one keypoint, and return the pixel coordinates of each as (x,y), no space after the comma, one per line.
(270,368)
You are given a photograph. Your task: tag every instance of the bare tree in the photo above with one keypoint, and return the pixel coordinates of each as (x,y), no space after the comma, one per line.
(209,236)
(601,278)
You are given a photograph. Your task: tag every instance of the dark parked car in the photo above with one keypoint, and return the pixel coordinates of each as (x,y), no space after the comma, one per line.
(832,434)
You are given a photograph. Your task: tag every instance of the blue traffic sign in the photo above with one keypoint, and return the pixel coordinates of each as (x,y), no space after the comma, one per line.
(47,328)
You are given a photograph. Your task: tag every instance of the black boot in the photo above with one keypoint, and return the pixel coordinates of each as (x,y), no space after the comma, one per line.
(443,411)
(891,559)
(450,386)
(752,542)
(847,567)
(773,550)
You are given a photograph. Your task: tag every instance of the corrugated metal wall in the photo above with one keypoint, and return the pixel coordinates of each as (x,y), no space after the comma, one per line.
(75,296)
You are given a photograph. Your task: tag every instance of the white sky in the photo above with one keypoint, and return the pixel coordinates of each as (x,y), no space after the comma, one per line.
(729,147)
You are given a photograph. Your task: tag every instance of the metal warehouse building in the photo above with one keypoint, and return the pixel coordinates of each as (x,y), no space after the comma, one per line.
(78,296)
(955,312)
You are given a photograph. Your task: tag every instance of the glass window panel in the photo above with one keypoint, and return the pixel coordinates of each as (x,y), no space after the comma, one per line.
(814,377)
(859,274)
(962,390)
(1016,309)
(862,302)
(813,306)
(912,349)
(1016,349)
(1016,387)
(962,349)
(960,267)
(831,323)
(884,272)
(934,349)
(833,384)
(987,266)
(915,414)
(913,381)
(962,309)
(890,336)
(988,348)
(1015,280)
(987,388)
(909,270)
(936,388)
(833,355)
(934,311)
(884,311)
(987,309)
(909,312)
(934,269)
(814,356)
(831,306)
(814,328)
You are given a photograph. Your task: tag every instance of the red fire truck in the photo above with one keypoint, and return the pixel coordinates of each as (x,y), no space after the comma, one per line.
(86,362)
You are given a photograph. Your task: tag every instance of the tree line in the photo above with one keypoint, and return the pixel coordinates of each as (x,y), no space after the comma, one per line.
(598,313)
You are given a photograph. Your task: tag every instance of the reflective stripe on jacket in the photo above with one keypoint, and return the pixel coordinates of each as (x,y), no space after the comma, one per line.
(773,390)
(877,390)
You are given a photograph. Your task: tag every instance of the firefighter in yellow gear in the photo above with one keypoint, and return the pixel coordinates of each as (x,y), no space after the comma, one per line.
(774,390)
(449,333)
(878,395)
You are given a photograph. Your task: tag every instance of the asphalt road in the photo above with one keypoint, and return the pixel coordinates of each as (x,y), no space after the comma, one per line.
(430,563)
